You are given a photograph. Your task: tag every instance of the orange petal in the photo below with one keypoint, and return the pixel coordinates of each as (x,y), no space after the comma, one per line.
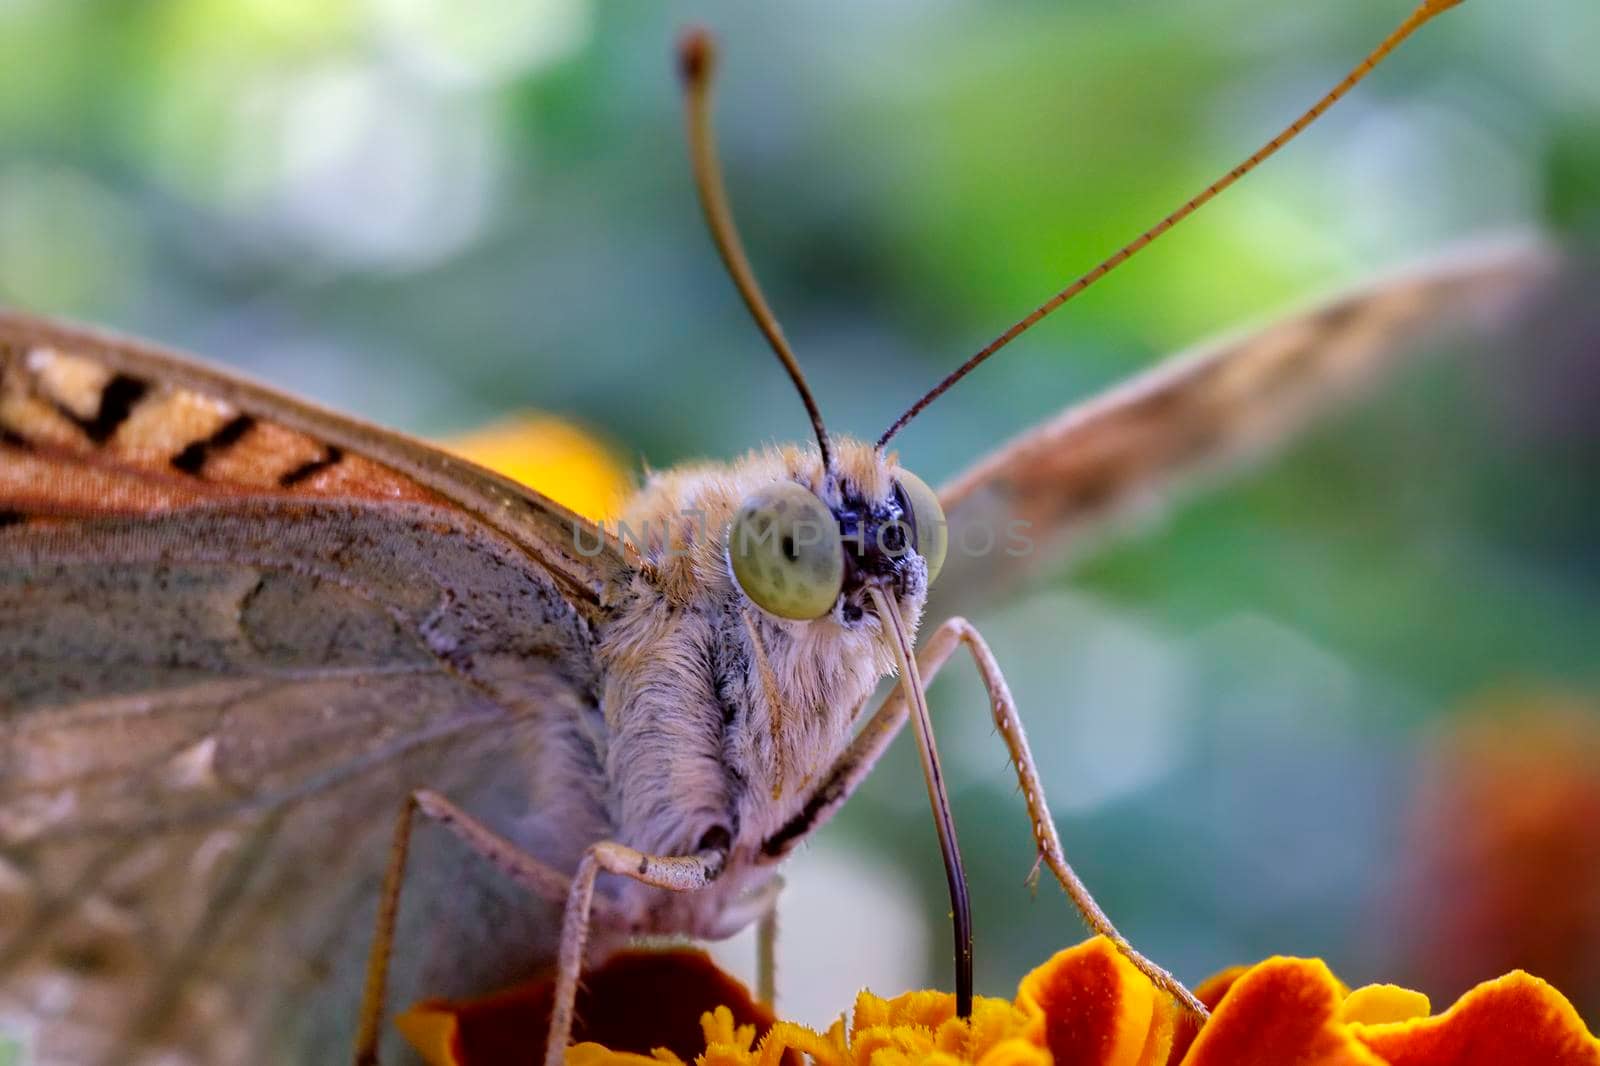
(1280,1012)
(1164,1022)
(1212,989)
(1210,992)
(1095,1008)
(1376,1004)
(1514,1019)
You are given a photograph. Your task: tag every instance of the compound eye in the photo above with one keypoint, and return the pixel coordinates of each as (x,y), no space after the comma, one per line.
(927,519)
(786,552)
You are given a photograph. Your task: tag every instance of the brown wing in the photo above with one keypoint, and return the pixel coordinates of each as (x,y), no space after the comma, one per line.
(1038,497)
(106,401)
(234,632)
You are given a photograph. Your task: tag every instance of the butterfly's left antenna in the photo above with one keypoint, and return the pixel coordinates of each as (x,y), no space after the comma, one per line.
(696,56)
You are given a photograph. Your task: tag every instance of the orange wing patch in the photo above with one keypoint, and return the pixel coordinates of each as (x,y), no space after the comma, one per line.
(161,425)
(78,438)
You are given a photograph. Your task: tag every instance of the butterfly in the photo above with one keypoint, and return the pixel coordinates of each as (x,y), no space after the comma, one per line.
(243,638)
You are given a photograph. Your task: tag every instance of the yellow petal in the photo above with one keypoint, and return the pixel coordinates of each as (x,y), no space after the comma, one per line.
(431,1031)
(1015,1052)
(1374,1004)
(589,1054)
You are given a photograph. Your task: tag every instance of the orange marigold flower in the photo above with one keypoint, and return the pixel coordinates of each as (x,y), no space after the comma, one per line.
(1501,864)
(1088,1006)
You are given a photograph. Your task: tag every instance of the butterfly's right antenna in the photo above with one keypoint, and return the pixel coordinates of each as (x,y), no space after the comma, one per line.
(696,57)
(1426,10)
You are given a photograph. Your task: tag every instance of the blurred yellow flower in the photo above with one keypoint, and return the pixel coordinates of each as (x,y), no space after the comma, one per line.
(551,456)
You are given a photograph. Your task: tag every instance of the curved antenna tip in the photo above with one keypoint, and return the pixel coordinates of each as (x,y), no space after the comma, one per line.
(696,55)
(697,52)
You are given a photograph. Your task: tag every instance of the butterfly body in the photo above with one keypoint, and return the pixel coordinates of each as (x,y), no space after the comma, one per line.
(712,699)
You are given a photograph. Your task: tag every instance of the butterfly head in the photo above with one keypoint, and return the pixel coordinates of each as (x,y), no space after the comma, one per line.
(812,541)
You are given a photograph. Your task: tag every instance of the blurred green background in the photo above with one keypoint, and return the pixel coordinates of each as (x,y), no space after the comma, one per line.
(430,214)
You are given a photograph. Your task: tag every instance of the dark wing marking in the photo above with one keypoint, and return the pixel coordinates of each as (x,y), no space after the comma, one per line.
(330,456)
(192,459)
(109,400)
(116,403)
(1119,452)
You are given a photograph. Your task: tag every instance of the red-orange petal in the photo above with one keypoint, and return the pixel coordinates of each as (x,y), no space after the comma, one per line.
(1514,1019)
(1096,1008)
(1212,989)
(1210,992)
(1283,1012)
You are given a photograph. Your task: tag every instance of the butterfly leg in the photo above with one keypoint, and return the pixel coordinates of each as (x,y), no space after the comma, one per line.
(537,878)
(760,909)
(767,958)
(851,768)
(1009,724)
(683,873)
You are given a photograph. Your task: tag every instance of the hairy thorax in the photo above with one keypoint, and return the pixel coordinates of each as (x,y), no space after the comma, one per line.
(721,718)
